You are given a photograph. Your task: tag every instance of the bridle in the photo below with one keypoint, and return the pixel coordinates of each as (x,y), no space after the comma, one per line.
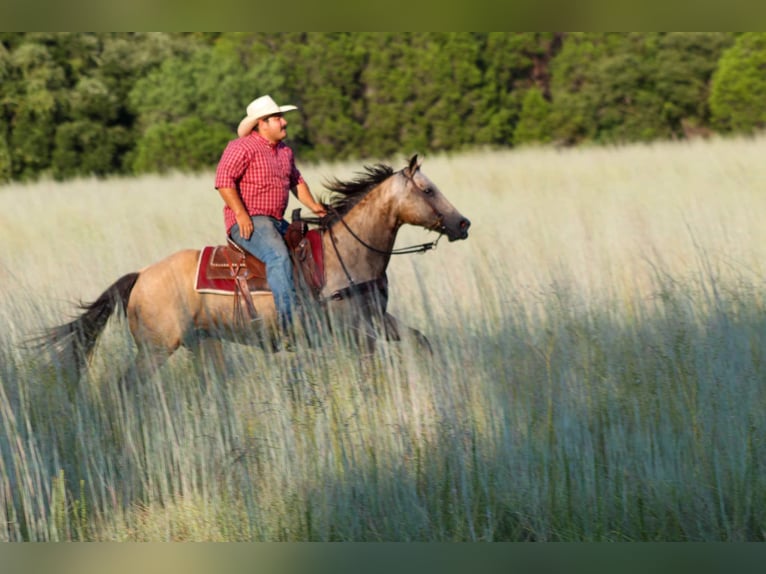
(380,282)
(419,248)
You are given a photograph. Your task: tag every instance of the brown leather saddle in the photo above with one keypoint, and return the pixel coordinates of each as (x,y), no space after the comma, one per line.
(230,270)
(219,268)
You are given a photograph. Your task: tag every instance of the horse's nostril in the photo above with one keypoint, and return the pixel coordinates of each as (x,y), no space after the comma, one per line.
(465,224)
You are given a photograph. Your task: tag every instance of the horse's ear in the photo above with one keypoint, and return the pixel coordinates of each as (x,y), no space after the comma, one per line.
(414,165)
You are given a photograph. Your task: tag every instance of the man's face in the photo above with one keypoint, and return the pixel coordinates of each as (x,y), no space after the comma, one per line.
(273,128)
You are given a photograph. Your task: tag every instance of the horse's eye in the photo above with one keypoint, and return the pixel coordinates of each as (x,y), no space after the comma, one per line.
(429,191)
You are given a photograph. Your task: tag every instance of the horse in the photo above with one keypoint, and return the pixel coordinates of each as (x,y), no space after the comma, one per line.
(166,312)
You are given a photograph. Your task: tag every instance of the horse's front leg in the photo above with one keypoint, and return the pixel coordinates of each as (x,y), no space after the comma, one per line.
(209,351)
(147,361)
(364,335)
(394,330)
(353,322)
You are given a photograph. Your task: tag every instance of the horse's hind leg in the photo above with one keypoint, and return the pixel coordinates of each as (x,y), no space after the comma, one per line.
(211,352)
(156,341)
(147,361)
(394,331)
(208,351)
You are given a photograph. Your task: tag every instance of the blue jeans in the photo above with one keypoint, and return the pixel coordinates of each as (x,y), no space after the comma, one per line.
(267,244)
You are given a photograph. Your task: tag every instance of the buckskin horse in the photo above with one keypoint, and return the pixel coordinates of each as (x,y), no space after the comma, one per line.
(166,309)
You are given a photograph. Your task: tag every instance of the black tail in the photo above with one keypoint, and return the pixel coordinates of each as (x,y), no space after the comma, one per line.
(75,340)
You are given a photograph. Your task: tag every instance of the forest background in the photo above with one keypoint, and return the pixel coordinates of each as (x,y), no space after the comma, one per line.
(84,104)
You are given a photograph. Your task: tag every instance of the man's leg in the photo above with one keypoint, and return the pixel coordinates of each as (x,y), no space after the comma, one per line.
(268,245)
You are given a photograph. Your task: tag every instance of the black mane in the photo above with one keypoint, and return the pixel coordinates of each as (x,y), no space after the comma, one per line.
(354,190)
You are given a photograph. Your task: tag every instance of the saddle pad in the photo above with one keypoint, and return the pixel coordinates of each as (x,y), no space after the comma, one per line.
(315,239)
(213,276)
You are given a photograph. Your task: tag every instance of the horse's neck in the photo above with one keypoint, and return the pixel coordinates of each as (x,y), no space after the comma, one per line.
(373,223)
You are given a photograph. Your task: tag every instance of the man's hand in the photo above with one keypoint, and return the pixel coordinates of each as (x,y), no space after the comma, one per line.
(304,195)
(234,202)
(245,224)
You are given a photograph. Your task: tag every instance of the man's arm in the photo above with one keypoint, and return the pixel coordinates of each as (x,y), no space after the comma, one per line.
(306,198)
(232,198)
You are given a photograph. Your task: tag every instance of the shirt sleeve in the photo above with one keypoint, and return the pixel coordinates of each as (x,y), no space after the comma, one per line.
(231,167)
(295,175)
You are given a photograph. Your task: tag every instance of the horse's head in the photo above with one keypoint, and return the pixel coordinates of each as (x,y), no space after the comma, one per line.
(421,203)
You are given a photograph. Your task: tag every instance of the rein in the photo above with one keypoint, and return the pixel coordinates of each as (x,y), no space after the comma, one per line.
(353,286)
(378,282)
(421,248)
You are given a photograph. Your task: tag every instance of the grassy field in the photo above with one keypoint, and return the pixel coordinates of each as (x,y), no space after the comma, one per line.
(599,369)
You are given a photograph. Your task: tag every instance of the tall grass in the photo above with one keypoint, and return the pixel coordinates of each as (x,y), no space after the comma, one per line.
(599,368)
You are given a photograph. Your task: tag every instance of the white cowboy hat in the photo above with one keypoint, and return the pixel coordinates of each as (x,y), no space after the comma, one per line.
(258,108)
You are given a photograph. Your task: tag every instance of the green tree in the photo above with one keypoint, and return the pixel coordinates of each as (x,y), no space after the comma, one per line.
(6,171)
(574,91)
(614,88)
(628,107)
(534,125)
(448,88)
(34,97)
(324,72)
(125,58)
(422,92)
(511,64)
(207,91)
(603,90)
(388,96)
(89,141)
(69,89)
(738,92)
(188,144)
(102,92)
(10,40)
(91,99)
(99,103)
(683,67)
(84,147)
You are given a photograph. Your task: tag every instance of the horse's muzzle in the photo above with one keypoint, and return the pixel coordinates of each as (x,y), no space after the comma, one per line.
(459,230)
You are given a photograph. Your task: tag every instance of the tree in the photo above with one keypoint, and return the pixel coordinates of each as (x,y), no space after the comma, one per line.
(76,104)
(89,142)
(69,89)
(189,107)
(324,72)
(738,92)
(511,64)
(628,107)
(683,67)
(6,170)
(84,148)
(534,125)
(448,88)
(574,85)
(613,88)
(185,145)
(34,98)
(422,92)
(388,96)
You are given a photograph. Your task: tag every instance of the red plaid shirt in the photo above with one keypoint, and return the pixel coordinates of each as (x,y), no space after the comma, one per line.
(262,172)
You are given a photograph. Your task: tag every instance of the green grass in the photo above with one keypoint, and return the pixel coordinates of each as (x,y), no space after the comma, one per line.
(599,368)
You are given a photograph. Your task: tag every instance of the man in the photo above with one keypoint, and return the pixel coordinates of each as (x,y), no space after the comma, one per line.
(254,177)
